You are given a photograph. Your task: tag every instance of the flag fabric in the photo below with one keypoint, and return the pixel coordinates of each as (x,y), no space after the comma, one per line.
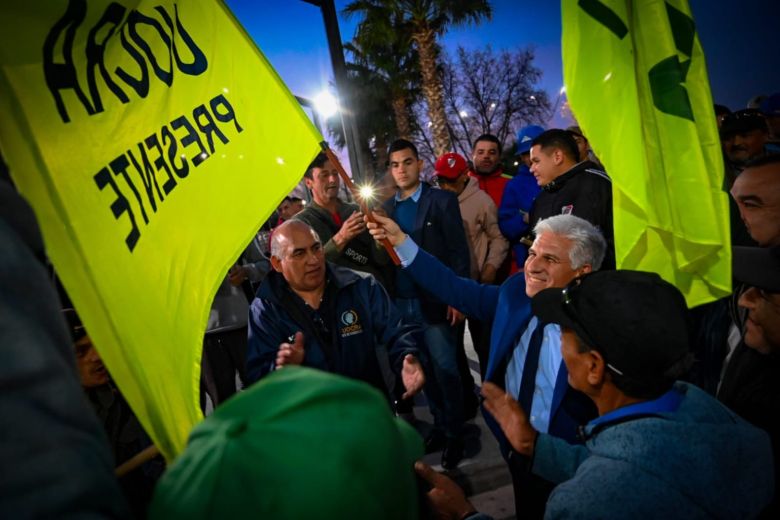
(636,80)
(152,139)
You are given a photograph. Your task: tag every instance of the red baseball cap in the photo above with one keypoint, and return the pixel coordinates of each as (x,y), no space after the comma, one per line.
(450,165)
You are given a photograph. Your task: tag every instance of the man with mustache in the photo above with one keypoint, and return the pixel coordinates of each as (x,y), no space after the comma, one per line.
(317,314)
(745,136)
(488,170)
(340,225)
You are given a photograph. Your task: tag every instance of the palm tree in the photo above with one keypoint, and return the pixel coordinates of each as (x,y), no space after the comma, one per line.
(423,21)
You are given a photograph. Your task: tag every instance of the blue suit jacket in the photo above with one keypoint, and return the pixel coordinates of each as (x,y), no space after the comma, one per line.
(510,310)
(438,229)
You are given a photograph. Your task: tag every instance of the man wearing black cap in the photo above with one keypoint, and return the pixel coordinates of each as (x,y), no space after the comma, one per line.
(751,379)
(659,448)
(744,135)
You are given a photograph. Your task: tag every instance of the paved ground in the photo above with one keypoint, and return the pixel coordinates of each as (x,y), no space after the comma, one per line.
(482,473)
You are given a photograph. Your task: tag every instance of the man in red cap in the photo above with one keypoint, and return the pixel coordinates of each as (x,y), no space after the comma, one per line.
(487,251)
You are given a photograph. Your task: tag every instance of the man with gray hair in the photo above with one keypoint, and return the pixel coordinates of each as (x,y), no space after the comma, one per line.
(317,314)
(525,354)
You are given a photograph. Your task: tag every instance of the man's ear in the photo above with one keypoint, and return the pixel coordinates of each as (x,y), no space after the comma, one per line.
(276,263)
(585,269)
(596,368)
(557,156)
(308,182)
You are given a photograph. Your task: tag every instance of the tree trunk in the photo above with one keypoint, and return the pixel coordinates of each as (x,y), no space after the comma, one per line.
(432,89)
(380,150)
(401,113)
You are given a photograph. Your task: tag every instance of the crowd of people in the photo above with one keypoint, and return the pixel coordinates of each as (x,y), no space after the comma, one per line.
(607,396)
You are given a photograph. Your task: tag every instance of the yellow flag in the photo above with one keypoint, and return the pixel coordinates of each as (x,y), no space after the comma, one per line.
(152,139)
(637,83)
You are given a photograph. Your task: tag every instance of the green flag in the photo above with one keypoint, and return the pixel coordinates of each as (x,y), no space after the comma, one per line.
(152,138)
(637,83)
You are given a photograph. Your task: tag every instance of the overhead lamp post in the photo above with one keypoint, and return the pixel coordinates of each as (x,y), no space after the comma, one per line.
(336,51)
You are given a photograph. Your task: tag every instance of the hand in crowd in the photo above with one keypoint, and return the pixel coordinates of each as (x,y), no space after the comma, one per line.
(488,274)
(454,316)
(446,498)
(291,353)
(237,275)
(351,228)
(412,376)
(512,419)
(385,228)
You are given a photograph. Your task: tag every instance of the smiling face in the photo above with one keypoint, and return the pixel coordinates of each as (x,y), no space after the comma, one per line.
(92,372)
(485,157)
(762,328)
(548,264)
(324,183)
(300,259)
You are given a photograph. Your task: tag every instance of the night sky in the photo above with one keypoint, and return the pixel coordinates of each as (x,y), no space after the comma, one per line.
(740,40)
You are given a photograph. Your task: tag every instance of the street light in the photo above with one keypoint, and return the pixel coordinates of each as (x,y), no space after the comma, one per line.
(351,133)
(326,104)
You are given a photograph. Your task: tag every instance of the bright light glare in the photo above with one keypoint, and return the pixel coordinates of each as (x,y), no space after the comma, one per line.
(366,192)
(279,160)
(563,89)
(326,104)
(608,76)
(463,113)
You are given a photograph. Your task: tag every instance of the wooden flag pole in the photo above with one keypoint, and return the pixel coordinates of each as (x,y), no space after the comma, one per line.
(358,197)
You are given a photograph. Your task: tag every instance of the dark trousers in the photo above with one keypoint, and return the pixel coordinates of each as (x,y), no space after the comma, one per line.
(531,491)
(224,356)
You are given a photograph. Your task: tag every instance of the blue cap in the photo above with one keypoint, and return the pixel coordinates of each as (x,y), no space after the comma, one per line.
(525,137)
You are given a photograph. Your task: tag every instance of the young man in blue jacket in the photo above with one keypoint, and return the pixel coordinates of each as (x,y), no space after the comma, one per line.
(312,313)
(433,218)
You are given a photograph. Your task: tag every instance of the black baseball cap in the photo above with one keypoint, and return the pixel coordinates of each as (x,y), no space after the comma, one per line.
(757,266)
(636,320)
(742,121)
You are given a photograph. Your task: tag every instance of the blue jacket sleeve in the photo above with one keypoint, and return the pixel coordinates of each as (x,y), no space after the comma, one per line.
(510,218)
(455,239)
(264,339)
(471,298)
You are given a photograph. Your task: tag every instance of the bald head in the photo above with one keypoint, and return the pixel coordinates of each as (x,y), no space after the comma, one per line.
(757,194)
(296,253)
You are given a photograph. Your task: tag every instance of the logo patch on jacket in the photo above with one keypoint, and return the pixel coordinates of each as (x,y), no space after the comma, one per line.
(567,210)
(351,323)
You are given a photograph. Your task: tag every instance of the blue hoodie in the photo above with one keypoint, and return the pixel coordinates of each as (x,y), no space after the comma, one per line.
(694,459)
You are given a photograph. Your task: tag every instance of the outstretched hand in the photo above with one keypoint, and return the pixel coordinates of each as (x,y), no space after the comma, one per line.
(447,499)
(511,417)
(412,376)
(291,353)
(385,227)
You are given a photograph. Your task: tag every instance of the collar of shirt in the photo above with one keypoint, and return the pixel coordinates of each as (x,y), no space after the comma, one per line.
(415,196)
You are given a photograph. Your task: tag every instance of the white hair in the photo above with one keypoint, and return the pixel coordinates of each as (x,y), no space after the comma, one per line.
(589,244)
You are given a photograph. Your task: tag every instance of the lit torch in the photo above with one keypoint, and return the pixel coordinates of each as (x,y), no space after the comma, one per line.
(362,195)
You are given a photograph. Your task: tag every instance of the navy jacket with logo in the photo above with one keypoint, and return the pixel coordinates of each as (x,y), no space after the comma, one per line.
(369,341)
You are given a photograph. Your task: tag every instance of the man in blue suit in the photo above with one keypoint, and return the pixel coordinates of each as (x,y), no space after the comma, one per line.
(525,356)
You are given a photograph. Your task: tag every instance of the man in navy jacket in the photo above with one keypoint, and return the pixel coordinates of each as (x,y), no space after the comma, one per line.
(432,217)
(565,248)
(311,313)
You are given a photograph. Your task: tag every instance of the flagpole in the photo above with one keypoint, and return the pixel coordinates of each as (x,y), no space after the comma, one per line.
(358,197)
